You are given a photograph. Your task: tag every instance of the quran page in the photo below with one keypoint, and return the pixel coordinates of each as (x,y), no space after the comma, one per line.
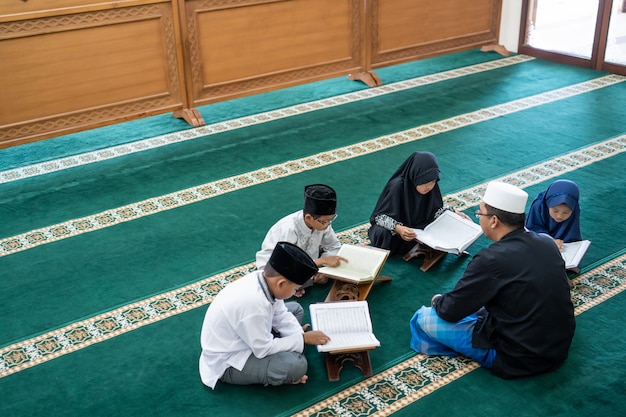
(573,252)
(364,263)
(449,233)
(347,323)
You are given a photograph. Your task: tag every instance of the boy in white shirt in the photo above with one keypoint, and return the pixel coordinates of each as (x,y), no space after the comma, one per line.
(310,229)
(248,335)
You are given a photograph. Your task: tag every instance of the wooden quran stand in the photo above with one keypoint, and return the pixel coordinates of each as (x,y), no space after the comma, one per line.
(335,362)
(348,291)
(431,256)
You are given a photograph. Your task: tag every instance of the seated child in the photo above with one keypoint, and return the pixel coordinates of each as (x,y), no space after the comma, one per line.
(556,213)
(411,199)
(310,229)
(248,336)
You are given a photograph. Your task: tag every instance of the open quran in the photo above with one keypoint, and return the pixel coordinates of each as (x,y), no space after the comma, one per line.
(347,323)
(364,263)
(573,253)
(449,233)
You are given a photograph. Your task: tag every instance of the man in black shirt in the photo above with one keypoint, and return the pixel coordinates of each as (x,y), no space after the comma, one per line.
(511,311)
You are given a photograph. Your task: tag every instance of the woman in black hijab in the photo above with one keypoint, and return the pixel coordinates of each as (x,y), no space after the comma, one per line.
(410,200)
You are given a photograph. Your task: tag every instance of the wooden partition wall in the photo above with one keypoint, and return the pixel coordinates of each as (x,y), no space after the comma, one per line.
(70,65)
(243,47)
(407,30)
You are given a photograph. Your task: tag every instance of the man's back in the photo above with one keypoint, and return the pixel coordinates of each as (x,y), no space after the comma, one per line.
(531,316)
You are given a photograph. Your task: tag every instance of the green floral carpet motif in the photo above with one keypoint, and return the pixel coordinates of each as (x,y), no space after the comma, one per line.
(113,242)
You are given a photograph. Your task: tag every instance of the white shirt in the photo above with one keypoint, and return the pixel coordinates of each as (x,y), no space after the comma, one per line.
(239,323)
(293,229)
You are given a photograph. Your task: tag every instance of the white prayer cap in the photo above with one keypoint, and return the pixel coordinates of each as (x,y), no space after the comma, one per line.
(506,197)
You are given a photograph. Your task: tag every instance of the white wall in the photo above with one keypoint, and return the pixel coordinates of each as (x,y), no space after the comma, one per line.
(510,24)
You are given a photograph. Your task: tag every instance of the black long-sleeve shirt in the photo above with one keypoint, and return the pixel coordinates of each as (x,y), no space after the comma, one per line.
(528,316)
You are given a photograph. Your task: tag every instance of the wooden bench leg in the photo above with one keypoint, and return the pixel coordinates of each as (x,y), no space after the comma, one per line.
(335,363)
(497,48)
(191,116)
(368,77)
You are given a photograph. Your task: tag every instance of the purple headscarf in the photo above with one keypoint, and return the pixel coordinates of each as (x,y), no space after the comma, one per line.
(538,218)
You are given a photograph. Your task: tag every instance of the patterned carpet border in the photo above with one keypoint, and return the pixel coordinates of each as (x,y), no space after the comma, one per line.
(112,217)
(242,122)
(19,356)
(393,389)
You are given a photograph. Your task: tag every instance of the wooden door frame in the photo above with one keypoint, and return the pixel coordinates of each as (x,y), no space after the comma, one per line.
(599,43)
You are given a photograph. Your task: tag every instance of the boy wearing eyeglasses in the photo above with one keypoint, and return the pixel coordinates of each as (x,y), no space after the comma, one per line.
(310,229)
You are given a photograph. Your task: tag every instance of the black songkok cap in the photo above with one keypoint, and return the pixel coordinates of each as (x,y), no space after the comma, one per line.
(293,263)
(320,200)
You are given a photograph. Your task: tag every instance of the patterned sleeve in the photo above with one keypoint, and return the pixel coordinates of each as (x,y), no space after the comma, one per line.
(442,209)
(387,222)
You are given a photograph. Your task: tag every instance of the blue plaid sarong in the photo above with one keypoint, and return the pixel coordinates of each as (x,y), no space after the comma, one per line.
(432,335)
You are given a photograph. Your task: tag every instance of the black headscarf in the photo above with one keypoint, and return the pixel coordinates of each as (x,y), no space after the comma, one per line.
(401,201)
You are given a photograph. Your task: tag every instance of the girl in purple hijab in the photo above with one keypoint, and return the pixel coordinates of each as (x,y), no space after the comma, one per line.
(556,212)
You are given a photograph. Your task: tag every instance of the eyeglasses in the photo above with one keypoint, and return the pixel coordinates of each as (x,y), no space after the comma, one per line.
(477,213)
(325,222)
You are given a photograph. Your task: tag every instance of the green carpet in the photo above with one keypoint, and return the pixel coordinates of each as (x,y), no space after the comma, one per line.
(114,241)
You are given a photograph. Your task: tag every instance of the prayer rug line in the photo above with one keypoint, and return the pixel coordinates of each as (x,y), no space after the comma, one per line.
(407,382)
(394,388)
(209,190)
(30,352)
(246,121)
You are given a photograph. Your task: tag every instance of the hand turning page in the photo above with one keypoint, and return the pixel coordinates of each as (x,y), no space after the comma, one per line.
(364,263)
(449,233)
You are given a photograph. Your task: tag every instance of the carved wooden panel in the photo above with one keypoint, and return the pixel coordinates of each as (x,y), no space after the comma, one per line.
(18,9)
(404,30)
(69,72)
(69,65)
(247,46)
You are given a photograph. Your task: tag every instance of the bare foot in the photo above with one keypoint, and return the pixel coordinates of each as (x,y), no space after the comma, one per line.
(302,380)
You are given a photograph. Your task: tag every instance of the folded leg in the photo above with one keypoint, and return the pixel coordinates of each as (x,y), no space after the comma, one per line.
(434,336)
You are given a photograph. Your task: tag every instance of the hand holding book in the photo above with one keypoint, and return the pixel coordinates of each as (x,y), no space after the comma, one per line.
(450,233)
(405,232)
(358,263)
(573,252)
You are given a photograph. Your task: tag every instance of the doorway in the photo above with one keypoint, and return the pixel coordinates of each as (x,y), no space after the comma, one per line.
(587,33)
